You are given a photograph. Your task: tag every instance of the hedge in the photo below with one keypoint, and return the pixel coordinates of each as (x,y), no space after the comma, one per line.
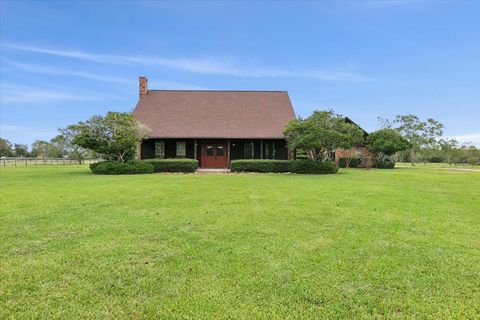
(435,159)
(294,166)
(387,164)
(314,167)
(354,162)
(113,167)
(261,165)
(173,165)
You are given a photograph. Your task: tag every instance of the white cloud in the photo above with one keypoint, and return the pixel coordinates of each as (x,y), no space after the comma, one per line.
(469,137)
(13,93)
(196,65)
(55,71)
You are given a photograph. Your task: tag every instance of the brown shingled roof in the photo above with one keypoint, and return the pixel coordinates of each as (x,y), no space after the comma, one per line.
(215,114)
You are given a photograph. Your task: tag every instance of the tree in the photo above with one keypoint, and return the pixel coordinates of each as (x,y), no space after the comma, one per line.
(419,134)
(386,142)
(447,149)
(115,135)
(5,148)
(60,146)
(20,150)
(43,149)
(322,133)
(65,142)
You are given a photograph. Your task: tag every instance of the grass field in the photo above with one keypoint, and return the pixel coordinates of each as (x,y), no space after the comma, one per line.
(401,243)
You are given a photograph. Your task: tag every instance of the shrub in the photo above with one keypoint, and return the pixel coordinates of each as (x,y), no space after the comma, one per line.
(295,166)
(472,161)
(114,167)
(314,167)
(261,165)
(354,162)
(435,159)
(387,164)
(301,157)
(173,165)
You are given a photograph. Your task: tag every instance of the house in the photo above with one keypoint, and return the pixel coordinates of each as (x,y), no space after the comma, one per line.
(217,126)
(214,127)
(359,152)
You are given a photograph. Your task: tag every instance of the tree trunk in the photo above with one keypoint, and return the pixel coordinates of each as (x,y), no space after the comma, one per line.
(347,162)
(412,157)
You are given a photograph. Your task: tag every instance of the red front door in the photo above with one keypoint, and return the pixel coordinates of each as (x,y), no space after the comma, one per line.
(214,155)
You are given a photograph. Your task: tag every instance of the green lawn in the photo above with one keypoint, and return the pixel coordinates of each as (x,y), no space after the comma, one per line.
(401,243)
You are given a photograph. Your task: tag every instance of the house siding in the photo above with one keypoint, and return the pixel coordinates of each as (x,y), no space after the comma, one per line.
(237,148)
(351,153)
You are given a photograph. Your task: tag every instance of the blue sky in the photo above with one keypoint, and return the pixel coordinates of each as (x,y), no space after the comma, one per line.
(62,62)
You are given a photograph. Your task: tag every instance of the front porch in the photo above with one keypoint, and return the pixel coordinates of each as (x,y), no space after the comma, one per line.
(214,153)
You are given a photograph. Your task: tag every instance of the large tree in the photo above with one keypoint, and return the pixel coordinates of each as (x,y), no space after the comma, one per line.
(20,150)
(321,133)
(115,135)
(420,134)
(43,149)
(5,148)
(386,142)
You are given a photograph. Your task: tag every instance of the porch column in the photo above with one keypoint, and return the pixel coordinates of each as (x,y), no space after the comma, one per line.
(261,149)
(195,149)
(228,152)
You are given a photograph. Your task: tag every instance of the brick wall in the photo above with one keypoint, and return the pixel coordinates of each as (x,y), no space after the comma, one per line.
(360,152)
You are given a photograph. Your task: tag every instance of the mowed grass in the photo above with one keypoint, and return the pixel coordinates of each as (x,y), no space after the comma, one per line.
(401,243)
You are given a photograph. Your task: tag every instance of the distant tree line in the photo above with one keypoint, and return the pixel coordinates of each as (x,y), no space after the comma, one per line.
(427,143)
(405,138)
(61,146)
(113,137)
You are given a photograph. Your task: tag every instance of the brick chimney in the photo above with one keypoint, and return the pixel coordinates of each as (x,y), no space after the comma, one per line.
(143,86)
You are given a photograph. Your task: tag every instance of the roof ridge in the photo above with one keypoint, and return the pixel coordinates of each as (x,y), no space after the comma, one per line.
(213,90)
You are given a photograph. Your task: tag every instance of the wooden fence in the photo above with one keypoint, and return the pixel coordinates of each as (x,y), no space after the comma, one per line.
(19,161)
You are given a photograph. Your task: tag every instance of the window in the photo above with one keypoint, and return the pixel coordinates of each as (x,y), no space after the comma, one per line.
(159,149)
(269,150)
(181,149)
(220,151)
(209,150)
(249,151)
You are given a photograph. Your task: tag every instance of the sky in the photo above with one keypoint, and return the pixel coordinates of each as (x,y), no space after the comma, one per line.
(62,62)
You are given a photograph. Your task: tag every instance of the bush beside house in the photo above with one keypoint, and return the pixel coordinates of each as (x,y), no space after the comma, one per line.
(386,164)
(114,167)
(294,166)
(173,165)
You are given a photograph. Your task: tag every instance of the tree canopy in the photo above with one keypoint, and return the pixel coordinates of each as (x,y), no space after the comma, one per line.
(5,148)
(114,135)
(386,142)
(321,133)
(420,134)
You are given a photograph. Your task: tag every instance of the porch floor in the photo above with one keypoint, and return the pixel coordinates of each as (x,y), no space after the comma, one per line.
(213,170)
